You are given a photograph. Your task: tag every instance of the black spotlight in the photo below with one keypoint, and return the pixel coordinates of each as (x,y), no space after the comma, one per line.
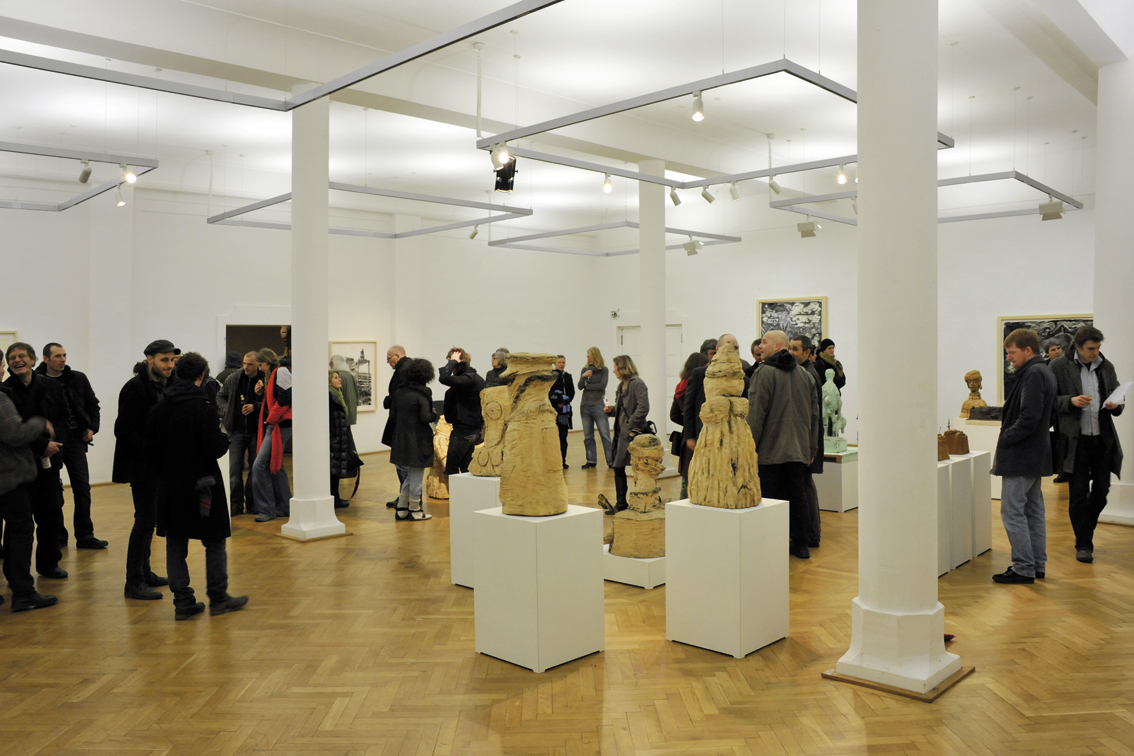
(506,176)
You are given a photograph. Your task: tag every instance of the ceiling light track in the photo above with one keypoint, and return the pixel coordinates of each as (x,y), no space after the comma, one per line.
(521,242)
(141,166)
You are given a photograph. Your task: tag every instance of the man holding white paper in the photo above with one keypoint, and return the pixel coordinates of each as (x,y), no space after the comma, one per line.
(1087,397)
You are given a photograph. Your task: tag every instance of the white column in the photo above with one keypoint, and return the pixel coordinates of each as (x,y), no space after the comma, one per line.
(1114,265)
(651,282)
(312,507)
(897,622)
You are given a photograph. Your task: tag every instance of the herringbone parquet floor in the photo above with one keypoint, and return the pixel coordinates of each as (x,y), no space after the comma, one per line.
(360,645)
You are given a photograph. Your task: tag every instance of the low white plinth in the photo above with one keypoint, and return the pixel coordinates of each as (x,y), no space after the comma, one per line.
(727,576)
(838,484)
(644,573)
(539,589)
(467,494)
(983,434)
(961,481)
(944,517)
(1119,504)
(982,501)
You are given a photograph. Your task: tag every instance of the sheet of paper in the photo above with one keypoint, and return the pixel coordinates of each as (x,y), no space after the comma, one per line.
(1118,396)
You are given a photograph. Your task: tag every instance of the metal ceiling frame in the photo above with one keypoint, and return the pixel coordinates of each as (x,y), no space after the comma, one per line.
(412,53)
(516,241)
(136,161)
(229,218)
(792,204)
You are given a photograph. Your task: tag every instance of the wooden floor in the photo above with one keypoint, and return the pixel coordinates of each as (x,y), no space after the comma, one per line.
(360,645)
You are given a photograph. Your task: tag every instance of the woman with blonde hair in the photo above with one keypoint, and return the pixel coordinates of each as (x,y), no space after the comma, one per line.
(592,382)
(631,405)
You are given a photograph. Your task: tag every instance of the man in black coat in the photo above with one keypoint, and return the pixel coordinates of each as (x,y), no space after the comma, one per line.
(396,359)
(140,394)
(182,445)
(561,394)
(1023,458)
(85,418)
(462,408)
(37,396)
(803,350)
(238,403)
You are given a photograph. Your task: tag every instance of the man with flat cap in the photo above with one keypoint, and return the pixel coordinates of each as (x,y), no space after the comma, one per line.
(137,397)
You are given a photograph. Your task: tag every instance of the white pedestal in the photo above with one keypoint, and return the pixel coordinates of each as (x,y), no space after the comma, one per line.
(961,480)
(644,573)
(467,494)
(1119,504)
(838,484)
(983,434)
(982,501)
(727,587)
(539,589)
(944,517)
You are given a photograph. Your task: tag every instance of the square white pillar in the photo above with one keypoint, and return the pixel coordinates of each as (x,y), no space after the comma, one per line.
(727,576)
(961,481)
(539,588)
(468,493)
(837,485)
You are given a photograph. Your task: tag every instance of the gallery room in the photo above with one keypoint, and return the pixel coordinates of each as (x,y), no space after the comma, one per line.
(902,183)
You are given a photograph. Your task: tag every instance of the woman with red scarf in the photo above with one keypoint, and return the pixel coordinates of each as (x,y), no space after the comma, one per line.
(271,489)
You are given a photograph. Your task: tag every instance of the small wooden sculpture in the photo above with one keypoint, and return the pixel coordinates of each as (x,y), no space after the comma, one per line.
(488,457)
(942,448)
(723,472)
(531,474)
(973,381)
(437,484)
(956,441)
(639,532)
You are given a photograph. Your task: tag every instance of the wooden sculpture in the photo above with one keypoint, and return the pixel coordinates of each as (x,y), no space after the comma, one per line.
(942,448)
(723,472)
(973,381)
(639,531)
(437,484)
(956,441)
(488,457)
(531,474)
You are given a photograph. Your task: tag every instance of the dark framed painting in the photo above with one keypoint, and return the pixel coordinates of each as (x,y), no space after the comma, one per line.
(805,316)
(1062,327)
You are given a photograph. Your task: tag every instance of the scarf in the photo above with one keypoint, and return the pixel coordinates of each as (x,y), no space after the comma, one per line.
(338,394)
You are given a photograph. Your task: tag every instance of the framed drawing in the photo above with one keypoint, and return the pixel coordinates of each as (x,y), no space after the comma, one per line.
(359,356)
(1047,326)
(801,315)
(7,338)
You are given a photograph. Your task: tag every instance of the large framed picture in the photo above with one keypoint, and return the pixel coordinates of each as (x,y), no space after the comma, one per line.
(805,316)
(7,339)
(1047,326)
(359,356)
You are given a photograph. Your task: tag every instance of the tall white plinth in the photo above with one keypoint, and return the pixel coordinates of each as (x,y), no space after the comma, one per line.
(644,573)
(1119,503)
(982,501)
(944,517)
(726,576)
(468,493)
(838,484)
(983,434)
(961,526)
(539,589)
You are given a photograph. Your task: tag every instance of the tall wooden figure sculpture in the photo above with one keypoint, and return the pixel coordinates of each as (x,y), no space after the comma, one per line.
(495,404)
(723,472)
(531,475)
(639,532)
(437,484)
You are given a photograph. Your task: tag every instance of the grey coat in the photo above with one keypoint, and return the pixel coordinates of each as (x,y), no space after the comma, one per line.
(631,405)
(783,411)
(17,465)
(1068,385)
(1024,447)
(594,385)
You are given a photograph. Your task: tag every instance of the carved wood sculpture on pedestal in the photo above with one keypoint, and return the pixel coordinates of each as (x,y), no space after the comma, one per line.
(956,441)
(531,475)
(437,484)
(639,531)
(973,381)
(942,448)
(723,472)
(495,404)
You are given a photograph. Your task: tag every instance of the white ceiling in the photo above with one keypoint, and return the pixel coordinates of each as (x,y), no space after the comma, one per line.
(1012,83)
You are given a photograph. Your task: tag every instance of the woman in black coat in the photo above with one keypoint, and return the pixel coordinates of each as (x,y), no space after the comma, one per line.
(412,412)
(342,444)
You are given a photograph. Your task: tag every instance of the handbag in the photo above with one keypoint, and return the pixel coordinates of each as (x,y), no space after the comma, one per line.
(649,427)
(675,443)
(677,411)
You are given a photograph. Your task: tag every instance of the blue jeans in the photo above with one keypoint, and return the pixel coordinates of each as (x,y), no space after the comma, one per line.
(593,415)
(1022,512)
(216,570)
(240,445)
(272,492)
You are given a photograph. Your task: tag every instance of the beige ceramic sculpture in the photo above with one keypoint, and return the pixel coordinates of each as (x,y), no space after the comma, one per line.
(723,472)
(488,457)
(437,484)
(639,531)
(531,474)
(973,381)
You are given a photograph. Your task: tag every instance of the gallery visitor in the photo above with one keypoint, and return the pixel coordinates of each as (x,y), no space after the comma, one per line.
(344,459)
(397,360)
(631,406)
(271,488)
(677,415)
(592,382)
(499,365)
(238,403)
(349,388)
(561,393)
(413,414)
(803,349)
(825,360)
(462,409)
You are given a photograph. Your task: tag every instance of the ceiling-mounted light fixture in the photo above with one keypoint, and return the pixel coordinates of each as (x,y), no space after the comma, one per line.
(506,176)
(808,228)
(85,174)
(127,175)
(773,185)
(475,231)
(673,196)
(692,247)
(708,196)
(842,176)
(854,205)
(607,186)
(1051,210)
(118,198)
(734,190)
(500,156)
(698,107)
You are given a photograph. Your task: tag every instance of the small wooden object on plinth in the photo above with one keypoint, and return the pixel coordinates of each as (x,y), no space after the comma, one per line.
(942,448)
(437,484)
(639,531)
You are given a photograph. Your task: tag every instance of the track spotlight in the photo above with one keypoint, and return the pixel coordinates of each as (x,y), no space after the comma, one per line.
(673,196)
(475,231)
(708,196)
(842,177)
(698,107)
(1051,210)
(773,185)
(118,198)
(500,156)
(127,175)
(808,228)
(692,247)
(85,174)
(607,186)
(734,190)
(506,177)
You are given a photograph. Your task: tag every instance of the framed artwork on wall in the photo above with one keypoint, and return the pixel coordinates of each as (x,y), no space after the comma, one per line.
(1047,326)
(7,338)
(359,356)
(796,316)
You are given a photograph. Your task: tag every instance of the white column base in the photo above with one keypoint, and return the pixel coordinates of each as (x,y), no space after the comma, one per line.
(1119,504)
(313,518)
(905,650)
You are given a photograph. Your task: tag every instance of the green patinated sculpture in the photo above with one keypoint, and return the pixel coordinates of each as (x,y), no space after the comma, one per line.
(833,420)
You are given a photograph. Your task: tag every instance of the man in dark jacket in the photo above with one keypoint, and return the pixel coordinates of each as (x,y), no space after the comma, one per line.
(37,396)
(561,394)
(396,359)
(84,425)
(803,350)
(783,413)
(232,364)
(825,360)
(1088,445)
(135,401)
(239,402)
(1023,457)
(182,445)
(462,408)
